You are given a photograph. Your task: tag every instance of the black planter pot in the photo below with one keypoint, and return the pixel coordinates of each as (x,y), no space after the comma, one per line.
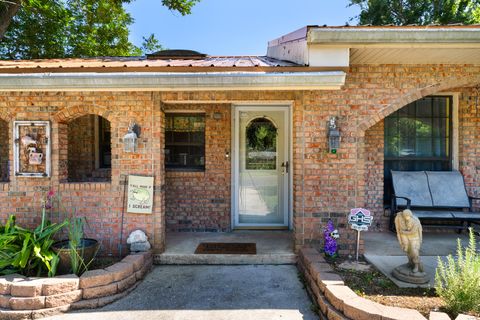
(87,250)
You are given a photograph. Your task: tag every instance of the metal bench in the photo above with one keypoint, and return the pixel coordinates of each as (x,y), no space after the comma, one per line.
(437,198)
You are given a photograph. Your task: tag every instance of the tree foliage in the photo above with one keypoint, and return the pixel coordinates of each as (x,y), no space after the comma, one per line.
(74,28)
(421,12)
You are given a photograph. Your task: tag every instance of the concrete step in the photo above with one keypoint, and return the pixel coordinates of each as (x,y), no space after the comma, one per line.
(225,259)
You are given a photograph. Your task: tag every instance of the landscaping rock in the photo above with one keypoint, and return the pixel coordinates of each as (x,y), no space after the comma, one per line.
(126,283)
(101,291)
(438,316)
(137,236)
(336,295)
(84,304)
(95,278)
(362,309)
(120,270)
(43,313)
(6,282)
(5,301)
(31,303)
(63,299)
(465,317)
(27,288)
(395,313)
(60,284)
(138,241)
(15,315)
(136,260)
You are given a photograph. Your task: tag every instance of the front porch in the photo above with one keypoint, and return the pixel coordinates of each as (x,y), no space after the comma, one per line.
(273,247)
(383,251)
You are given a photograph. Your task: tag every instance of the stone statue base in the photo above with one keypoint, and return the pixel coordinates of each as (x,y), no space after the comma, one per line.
(404,273)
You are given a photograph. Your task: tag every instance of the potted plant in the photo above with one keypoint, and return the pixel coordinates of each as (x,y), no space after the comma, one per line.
(75,253)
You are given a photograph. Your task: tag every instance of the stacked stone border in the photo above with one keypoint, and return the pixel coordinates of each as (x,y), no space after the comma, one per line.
(336,301)
(34,298)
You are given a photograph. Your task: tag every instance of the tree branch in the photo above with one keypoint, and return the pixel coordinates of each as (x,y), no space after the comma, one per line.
(7,11)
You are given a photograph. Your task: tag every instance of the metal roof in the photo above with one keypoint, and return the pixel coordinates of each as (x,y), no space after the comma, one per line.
(142,63)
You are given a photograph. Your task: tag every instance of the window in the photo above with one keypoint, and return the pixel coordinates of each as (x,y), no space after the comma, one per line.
(104,146)
(418,137)
(185,141)
(261,138)
(4,149)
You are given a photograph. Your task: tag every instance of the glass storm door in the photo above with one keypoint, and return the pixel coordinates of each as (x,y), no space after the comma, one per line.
(261,163)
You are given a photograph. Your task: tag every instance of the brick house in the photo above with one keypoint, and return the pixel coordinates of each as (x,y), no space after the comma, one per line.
(242,142)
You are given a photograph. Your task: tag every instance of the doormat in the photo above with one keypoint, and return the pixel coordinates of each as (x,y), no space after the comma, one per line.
(226,248)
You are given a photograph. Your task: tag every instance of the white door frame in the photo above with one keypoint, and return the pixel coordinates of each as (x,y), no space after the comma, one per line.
(235,168)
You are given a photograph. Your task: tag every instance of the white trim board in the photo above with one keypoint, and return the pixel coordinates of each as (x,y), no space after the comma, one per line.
(164,81)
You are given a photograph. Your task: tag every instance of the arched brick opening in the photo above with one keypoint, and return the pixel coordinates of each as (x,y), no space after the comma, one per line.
(371,141)
(89,149)
(83,132)
(68,114)
(404,99)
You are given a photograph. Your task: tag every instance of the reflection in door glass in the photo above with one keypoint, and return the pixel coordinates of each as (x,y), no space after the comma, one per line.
(261,145)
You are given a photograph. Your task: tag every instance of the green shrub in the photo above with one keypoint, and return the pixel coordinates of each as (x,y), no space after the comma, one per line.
(457,280)
(28,251)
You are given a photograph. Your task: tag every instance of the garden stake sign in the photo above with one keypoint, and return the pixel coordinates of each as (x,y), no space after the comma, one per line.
(359,219)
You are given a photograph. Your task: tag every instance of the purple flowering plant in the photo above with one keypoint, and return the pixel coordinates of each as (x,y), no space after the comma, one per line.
(331,235)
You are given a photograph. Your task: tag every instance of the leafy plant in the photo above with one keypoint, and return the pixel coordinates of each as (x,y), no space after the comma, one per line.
(457,281)
(75,236)
(28,251)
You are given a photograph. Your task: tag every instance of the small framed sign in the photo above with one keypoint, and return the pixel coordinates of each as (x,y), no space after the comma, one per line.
(360,219)
(32,148)
(140,194)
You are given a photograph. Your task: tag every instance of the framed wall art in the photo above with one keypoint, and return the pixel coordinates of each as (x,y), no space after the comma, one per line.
(32,148)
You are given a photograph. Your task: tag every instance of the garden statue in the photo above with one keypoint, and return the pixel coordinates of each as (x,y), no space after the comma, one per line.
(409,234)
(138,241)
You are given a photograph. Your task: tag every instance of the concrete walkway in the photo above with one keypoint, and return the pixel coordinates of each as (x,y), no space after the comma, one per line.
(244,292)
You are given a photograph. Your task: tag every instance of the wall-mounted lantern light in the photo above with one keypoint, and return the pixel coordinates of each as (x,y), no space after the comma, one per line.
(130,139)
(333,135)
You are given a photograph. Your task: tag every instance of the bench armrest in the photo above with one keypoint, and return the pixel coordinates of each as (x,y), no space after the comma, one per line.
(470,199)
(409,202)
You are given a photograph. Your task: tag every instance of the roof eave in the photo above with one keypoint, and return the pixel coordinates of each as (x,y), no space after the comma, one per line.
(348,36)
(162,81)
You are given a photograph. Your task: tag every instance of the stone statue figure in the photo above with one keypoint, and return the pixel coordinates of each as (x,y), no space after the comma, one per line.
(409,234)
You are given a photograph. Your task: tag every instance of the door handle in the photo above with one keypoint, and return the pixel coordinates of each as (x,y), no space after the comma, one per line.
(285,167)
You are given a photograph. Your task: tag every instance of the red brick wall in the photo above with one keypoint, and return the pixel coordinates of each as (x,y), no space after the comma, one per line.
(325,186)
(200,201)
(469,140)
(374,154)
(101,203)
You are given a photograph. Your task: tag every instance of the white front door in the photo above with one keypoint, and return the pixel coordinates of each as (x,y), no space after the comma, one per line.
(261,167)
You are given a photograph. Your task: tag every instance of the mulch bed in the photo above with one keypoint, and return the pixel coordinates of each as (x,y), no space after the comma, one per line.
(103,262)
(375,286)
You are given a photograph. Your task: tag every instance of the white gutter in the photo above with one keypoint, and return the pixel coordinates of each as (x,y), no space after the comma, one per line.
(165,81)
(455,37)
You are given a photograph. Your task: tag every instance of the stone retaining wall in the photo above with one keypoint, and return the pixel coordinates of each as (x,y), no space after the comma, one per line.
(33,298)
(338,302)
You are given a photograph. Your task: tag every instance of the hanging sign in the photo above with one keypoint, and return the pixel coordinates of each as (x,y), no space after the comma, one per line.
(360,219)
(140,194)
